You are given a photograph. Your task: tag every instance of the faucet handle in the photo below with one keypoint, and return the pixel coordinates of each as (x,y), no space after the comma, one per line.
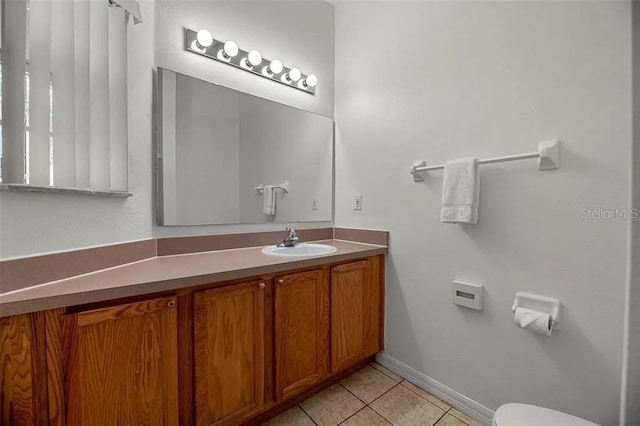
(291,239)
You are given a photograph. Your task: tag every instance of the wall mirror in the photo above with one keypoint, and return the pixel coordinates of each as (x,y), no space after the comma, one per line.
(218,148)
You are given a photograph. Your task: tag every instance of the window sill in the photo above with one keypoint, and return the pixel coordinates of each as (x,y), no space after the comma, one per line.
(16,187)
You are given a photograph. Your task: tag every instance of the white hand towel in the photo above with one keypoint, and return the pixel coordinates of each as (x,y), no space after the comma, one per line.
(460,191)
(269,200)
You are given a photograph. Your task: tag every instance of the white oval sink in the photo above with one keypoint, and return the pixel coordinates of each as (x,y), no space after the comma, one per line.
(302,249)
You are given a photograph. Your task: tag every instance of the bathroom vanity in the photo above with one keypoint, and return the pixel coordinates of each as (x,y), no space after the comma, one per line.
(244,345)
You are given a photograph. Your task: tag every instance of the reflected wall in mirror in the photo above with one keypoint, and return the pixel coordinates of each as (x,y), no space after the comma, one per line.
(216,146)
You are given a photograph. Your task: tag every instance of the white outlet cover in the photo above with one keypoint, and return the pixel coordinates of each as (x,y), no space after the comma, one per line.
(314,203)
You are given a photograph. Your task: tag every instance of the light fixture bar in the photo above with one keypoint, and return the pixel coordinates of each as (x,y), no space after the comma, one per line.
(216,51)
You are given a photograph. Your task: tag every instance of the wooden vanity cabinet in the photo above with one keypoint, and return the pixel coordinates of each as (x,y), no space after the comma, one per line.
(204,356)
(229,353)
(301,331)
(115,365)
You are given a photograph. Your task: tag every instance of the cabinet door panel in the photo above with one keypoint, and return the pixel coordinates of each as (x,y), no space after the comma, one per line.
(301,331)
(122,366)
(22,370)
(229,353)
(355,299)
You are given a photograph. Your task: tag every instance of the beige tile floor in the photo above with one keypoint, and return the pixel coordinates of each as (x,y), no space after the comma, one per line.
(373,396)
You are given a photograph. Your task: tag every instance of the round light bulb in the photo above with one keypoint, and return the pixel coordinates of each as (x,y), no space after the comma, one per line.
(311,81)
(275,67)
(230,49)
(254,58)
(294,74)
(204,39)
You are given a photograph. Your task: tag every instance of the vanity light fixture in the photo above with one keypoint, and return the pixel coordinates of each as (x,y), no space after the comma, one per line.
(293,75)
(275,67)
(254,58)
(230,50)
(204,39)
(203,43)
(310,81)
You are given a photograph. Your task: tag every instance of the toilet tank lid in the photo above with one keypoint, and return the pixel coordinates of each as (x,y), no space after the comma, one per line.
(532,415)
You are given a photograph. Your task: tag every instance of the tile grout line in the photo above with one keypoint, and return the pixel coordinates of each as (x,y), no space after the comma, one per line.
(386,419)
(457,418)
(443,414)
(395,385)
(392,378)
(368,404)
(353,415)
(416,393)
(345,388)
(445,411)
(359,399)
(386,392)
(307,414)
(380,414)
(405,380)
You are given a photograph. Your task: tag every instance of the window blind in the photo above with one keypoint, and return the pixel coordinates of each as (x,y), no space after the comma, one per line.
(64,86)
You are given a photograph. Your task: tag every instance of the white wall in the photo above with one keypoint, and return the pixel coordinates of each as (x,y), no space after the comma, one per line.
(443,80)
(298,33)
(32,223)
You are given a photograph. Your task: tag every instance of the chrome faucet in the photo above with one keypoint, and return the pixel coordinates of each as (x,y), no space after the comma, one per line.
(291,239)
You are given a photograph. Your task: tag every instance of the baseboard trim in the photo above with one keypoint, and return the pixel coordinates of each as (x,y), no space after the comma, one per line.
(456,399)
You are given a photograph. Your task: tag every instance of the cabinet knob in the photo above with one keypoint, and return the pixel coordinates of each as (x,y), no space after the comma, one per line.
(261,285)
(280,281)
(171,303)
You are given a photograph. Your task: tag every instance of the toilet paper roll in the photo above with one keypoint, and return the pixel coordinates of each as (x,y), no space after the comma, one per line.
(538,322)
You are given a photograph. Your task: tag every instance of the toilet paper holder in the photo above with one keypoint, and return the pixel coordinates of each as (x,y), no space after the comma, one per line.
(548,305)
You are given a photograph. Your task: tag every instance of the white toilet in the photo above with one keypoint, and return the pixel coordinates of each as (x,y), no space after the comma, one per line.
(532,415)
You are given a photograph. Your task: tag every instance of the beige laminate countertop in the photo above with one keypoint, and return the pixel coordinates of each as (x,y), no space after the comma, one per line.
(167,273)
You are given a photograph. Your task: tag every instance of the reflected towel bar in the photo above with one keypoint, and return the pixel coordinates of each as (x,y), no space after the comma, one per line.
(548,155)
(283,186)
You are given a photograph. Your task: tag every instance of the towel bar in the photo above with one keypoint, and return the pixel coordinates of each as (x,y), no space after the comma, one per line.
(283,186)
(548,155)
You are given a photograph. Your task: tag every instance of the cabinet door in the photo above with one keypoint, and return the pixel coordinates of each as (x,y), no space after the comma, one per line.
(355,303)
(229,353)
(122,366)
(301,331)
(22,370)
